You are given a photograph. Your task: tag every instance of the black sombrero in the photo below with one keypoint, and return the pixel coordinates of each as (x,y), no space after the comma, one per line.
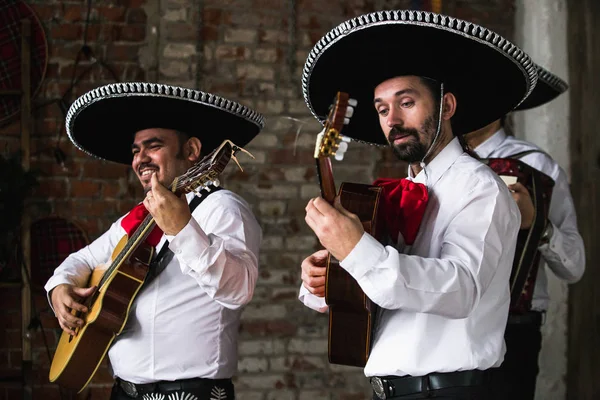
(102,122)
(488,74)
(548,87)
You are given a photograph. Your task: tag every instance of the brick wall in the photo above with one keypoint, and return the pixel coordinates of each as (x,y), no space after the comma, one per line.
(251,51)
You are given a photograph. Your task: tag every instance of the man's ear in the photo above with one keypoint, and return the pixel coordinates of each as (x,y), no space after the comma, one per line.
(192,149)
(449,107)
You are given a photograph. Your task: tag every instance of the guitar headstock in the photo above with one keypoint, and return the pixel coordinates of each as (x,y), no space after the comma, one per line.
(206,171)
(330,141)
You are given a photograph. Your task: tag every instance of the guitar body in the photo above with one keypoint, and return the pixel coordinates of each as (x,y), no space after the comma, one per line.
(78,357)
(351,312)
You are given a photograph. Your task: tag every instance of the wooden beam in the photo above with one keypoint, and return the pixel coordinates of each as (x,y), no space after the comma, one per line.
(26,220)
(583,42)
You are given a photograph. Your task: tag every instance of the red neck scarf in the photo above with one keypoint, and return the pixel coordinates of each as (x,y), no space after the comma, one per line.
(133,220)
(404,204)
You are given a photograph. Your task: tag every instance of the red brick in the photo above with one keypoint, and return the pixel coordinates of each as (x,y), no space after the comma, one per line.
(11,393)
(37,341)
(16,358)
(93,208)
(44,11)
(136,16)
(10,298)
(10,338)
(74,13)
(10,316)
(52,168)
(12,129)
(85,189)
(287,156)
(66,31)
(209,33)
(97,169)
(47,392)
(122,51)
(50,188)
(112,14)
(132,33)
(49,321)
(212,16)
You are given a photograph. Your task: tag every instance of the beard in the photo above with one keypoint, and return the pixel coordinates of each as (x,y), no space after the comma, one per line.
(413,150)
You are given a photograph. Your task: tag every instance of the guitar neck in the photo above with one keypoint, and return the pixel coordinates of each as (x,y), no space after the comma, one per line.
(326,182)
(140,234)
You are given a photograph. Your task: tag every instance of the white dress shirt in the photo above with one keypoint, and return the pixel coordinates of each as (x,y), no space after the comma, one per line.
(185,323)
(565,253)
(445,302)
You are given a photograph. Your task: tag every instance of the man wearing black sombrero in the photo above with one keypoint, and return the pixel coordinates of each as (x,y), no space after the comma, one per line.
(180,340)
(424,80)
(561,246)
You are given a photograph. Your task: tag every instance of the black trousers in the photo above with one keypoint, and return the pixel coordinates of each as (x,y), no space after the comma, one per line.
(515,379)
(456,393)
(222,391)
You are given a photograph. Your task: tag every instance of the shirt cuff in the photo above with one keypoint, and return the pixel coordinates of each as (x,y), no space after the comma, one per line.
(554,248)
(312,301)
(53,282)
(364,256)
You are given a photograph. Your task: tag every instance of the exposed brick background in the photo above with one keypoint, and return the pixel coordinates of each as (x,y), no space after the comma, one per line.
(246,50)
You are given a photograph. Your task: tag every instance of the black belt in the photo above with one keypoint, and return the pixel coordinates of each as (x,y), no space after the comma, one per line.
(530,317)
(386,387)
(136,389)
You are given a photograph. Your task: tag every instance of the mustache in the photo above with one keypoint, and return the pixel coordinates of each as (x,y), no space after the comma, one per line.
(398,132)
(147,165)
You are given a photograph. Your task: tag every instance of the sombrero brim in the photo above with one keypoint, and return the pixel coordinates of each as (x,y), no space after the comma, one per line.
(548,87)
(488,74)
(103,122)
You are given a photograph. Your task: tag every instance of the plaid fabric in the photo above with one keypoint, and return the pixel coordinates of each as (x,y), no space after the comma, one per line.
(11,14)
(52,240)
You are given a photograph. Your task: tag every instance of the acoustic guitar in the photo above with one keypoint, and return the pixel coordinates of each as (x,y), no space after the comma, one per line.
(78,356)
(351,312)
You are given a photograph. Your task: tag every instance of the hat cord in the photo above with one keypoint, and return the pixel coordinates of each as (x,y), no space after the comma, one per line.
(439,128)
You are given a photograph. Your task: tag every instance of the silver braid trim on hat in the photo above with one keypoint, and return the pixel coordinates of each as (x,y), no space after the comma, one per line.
(148,89)
(552,80)
(421,18)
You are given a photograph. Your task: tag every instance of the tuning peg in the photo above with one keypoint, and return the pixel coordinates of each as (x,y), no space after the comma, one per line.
(349,112)
(342,148)
(352,102)
(216,182)
(346,121)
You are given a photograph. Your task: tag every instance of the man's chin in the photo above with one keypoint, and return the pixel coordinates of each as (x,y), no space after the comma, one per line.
(407,153)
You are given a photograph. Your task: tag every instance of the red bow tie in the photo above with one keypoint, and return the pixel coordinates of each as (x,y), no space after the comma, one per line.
(133,220)
(404,204)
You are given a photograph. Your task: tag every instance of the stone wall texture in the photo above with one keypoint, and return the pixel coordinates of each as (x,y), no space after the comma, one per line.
(251,51)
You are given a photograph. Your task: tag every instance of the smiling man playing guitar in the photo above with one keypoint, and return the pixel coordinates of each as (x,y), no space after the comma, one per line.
(169,334)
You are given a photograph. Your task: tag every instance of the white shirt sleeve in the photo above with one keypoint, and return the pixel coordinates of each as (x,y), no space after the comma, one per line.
(564,253)
(77,267)
(473,244)
(311,301)
(220,249)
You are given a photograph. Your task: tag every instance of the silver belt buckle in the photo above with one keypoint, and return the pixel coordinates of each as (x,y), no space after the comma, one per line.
(377,385)
(129,388)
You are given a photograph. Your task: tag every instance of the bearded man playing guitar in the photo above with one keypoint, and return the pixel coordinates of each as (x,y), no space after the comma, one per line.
(443,302)
(180,337)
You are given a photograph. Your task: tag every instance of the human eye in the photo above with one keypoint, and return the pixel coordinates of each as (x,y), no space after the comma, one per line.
(382,111)
(407,103)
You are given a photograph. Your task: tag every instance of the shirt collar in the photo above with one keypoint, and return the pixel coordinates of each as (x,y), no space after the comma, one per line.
(485,149)
(433,171)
